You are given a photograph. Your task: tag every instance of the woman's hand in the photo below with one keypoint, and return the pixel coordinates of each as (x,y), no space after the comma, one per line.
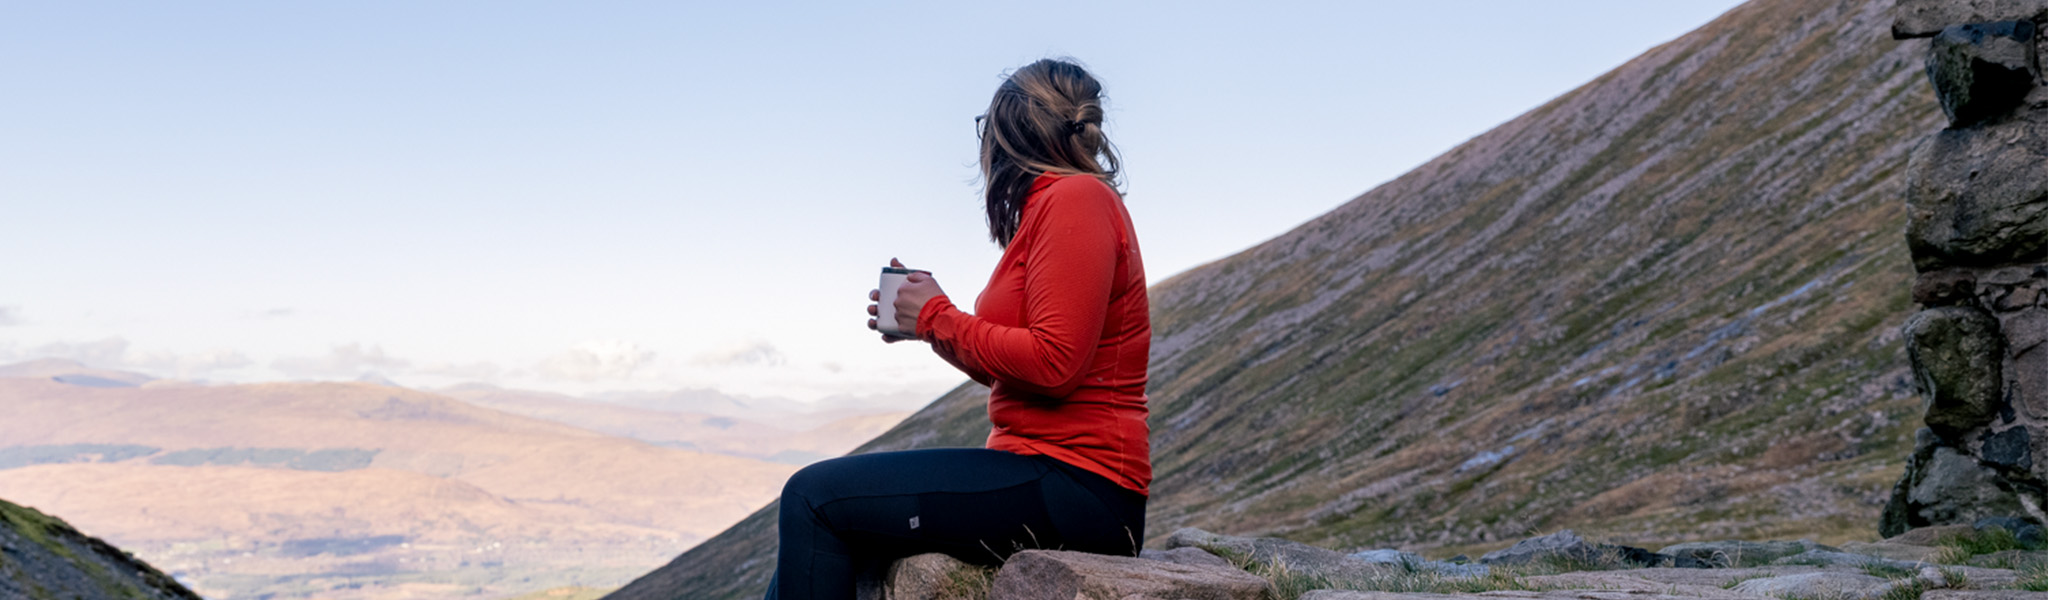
(918,288)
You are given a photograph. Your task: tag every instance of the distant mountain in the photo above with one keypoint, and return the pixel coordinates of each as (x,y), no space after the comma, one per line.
(48,558)
(783,412)
(290,489)
(1664,306)
(74,373)
(730,435)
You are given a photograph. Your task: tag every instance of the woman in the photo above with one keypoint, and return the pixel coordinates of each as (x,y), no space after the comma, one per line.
(1061,335)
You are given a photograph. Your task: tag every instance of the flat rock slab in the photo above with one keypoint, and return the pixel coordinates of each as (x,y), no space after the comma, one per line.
(1983,595)
(1504,595)
(1185,556)
(1063,575)
(1297,557)
(1627,581)
(1738,553)
(1826,584)
(1717,578)
(1824,558)
(1891,551)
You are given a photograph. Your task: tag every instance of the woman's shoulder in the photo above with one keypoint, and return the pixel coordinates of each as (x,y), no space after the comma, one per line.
(1084,190)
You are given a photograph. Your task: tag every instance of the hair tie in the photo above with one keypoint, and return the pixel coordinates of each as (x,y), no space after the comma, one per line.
(1077,126)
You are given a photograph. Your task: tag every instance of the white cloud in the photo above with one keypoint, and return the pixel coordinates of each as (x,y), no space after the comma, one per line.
(115,353)
(186,365)
(110,353)
(596,360)
(748,354)
(348,360)
(10,315)
(479,371)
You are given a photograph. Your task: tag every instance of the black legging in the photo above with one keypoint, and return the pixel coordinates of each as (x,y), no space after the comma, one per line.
(976,505)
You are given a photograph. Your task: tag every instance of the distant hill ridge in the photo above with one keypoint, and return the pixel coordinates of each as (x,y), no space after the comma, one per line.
(1661,307)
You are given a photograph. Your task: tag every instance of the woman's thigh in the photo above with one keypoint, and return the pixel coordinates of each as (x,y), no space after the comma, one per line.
(975,504)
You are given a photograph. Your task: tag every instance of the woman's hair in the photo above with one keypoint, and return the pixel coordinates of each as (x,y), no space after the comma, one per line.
(1046,118)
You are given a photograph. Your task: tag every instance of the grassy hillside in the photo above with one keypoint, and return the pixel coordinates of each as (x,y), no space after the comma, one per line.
(1662,307)
(47,559)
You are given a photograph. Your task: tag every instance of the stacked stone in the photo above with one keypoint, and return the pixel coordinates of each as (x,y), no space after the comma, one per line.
(1977,209)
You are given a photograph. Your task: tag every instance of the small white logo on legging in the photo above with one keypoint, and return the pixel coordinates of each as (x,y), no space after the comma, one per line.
(913,522)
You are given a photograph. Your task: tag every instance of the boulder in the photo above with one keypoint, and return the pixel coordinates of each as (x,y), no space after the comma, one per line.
(1415,562)
(1923,18)
(2027,532)
(1569,546)
(1563,544)
(1955,488)
(1297,557)
(922,577)
(1063,575)
(1957,356)
(2012,449)
(1930,536)
(1737,553)
(1978,197)
(1185,556)
(1982,70)
(1947,287)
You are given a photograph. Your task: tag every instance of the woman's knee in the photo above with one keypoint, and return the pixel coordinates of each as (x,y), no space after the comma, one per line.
(814,480)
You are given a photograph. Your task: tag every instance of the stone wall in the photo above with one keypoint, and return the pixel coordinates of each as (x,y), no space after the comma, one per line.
(1977,204)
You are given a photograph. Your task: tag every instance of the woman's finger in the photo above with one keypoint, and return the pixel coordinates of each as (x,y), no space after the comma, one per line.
(871,325)
(895,263)
(875,309)
(874,295)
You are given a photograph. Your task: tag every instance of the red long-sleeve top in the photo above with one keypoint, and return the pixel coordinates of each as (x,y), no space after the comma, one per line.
(1062,334)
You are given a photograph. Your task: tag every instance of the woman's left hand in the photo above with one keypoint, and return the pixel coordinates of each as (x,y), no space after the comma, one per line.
(918,288)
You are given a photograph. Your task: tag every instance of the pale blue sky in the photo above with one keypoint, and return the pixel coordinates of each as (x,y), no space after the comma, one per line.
(638,195)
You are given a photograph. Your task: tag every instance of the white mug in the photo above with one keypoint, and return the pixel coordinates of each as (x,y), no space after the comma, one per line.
(892,278)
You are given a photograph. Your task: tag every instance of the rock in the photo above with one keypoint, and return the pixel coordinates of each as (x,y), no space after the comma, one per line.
(2027,532)
(1825,584)
(1923,18)
(1628,582)
(1824,558)
(1956,489)
(2011,449)
(1563,544)
(1063,575)
(1716,578)
(1982,70)
(1414,562)
(1983,595)
(1389,556)
(1890,551)
(1957,355)
(1978,197)
(1930,536)
(921,577)
(1185,556)
(1736,553)
(1301,558)
(2024,329)
(1947,287)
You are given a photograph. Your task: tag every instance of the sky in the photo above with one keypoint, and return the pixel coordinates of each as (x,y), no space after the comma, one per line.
(593,197)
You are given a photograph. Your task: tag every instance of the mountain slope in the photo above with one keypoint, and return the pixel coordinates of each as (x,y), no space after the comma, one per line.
(44,557)
(1663,306)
